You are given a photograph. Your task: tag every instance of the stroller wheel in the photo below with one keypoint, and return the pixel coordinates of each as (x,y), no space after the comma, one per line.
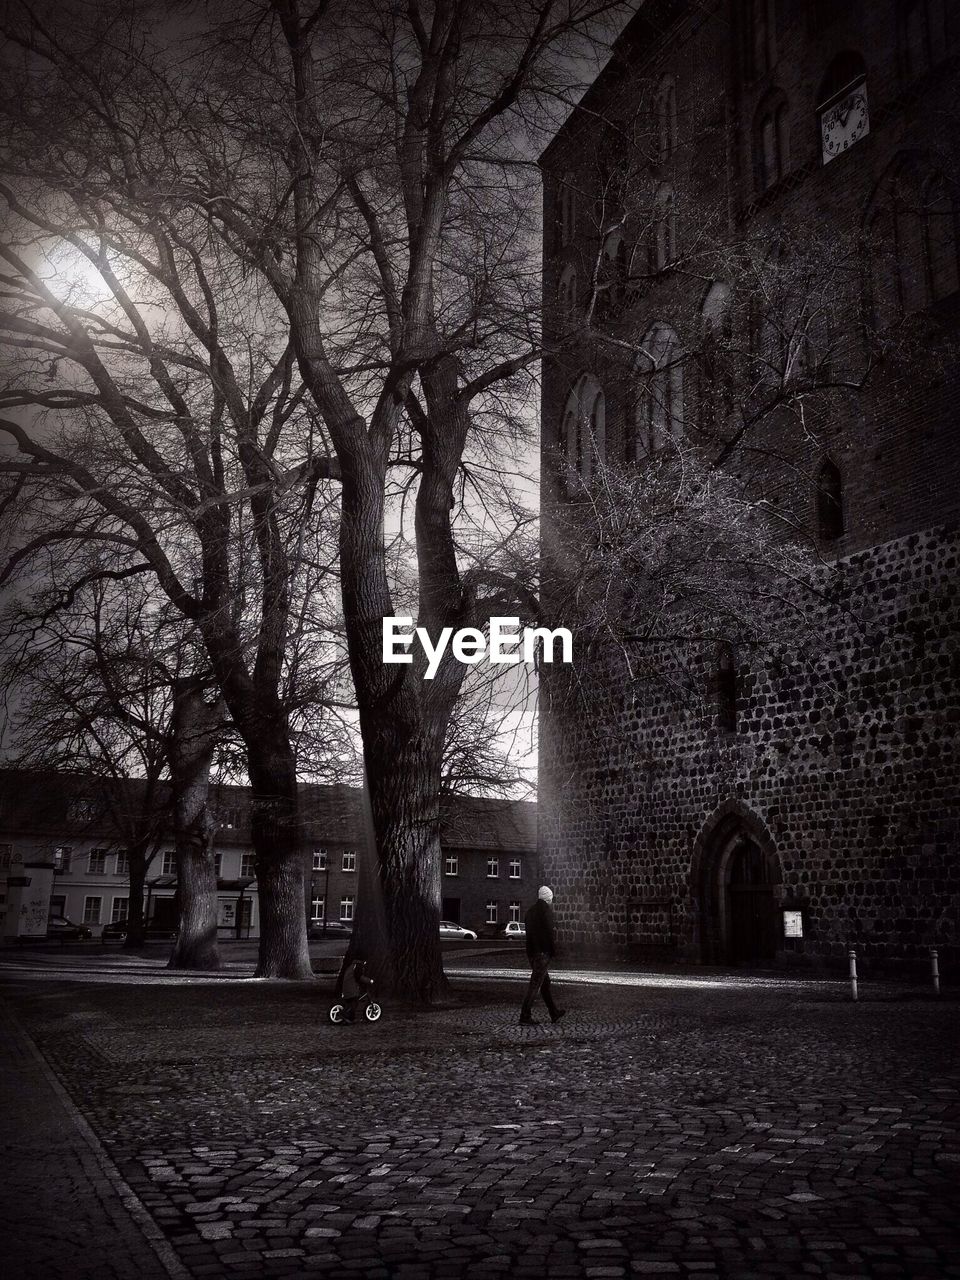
(372,1012)
(336,1013)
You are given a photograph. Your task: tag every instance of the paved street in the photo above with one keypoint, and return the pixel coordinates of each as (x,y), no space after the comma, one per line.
(686,1126)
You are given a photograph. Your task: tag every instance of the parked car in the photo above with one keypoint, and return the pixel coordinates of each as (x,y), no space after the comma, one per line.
(115,929)
(64,929)
(335,929)
(450,930)
(514,929)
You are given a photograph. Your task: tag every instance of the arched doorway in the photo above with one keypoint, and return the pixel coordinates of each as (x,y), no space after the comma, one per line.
(738,885)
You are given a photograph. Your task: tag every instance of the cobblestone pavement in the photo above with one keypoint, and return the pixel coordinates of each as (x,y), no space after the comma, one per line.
(674,1130)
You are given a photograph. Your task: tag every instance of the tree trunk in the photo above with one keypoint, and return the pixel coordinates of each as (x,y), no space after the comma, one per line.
(275,829)
(137,862)
(193,740)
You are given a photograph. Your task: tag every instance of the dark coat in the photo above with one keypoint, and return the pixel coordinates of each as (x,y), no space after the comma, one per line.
(541,931)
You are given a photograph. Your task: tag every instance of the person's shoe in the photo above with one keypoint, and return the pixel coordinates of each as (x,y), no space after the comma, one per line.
(527,1021)
(555,1017)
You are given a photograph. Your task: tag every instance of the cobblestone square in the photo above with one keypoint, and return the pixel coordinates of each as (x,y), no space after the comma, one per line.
(672,1130)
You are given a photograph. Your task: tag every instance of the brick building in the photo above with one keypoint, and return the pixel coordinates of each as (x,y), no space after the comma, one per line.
(790,808)
(63,834)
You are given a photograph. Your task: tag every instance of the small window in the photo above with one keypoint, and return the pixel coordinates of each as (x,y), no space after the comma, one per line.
(61,857)
(231,816)
(349,860)
(96,862)
(6,856)
(123,863)
(119,909)
(515,911)
(493,868)
(829,502)
(168,867)
(567,293)
(771,143)
(451,865)
(658,408)
(514,868)
(491,913)
(248,866)
(319,859)
(666,119)
(346,908)
(584,429)
(81,810)
(92,907)
(568,210)
(317,907)
(663,231)
(218,865)
(727,689)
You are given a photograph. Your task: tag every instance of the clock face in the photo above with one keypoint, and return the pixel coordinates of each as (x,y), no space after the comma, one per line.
(845,123)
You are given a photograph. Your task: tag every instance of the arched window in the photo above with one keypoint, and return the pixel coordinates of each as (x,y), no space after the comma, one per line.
(715,391)
(568,210)
(760,36)
(940,238)
(567,293)
(663,230)
(583,433)
(666,119)
(658,408)
(829,502)
(612,276)
(843,110)
(727,688)
(771,142)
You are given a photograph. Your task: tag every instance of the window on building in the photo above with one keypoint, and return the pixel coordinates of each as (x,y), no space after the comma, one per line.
(612,277)
(727,691)
(666,119)
(81,810)
(568,294)
(168,864)
(346,908)
(760,36)
(123,862)
(6,856)
(829,502)
(92,907)
(248,866)
(771,142)
(96,862)
(218,865)
(941,238)
(663,230)
(583,440)
(913,37)
(715,388)
(514,868)
(58,906)
(61,857)
(119,908)
(658,406)
(515,911)
(319,859)
(317,907)
(231,815)
(568,210)
(491,913)
(493,868)
(349,860)
(451,865)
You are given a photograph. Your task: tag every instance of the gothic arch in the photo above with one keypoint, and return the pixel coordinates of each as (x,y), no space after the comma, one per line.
(737,884)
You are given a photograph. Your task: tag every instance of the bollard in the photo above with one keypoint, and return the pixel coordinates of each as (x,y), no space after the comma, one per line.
(852,953)
(935,970)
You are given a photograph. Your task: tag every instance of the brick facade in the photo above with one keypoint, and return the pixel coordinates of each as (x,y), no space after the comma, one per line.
(666,831)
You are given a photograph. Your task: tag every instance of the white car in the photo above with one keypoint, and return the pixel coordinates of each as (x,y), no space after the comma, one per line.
(515,929)
(449,930)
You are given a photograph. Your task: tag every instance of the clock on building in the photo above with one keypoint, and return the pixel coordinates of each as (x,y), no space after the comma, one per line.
(844,123)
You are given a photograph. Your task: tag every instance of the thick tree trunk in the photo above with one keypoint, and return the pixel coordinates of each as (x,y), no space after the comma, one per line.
(275,828)
(137,862)
(192,743)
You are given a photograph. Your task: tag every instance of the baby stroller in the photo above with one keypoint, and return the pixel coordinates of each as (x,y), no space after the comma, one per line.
(354,993)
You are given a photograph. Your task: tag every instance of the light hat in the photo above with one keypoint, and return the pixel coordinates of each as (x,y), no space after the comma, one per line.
(545,893)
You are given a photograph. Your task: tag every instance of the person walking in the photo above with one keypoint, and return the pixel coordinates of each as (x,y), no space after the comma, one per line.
(541,948)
